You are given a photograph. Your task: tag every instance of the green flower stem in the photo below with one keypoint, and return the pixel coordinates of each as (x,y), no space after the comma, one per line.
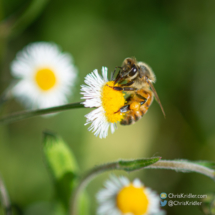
(4,198)
(84,181)
(27,114)
(183,166)
(177,165)
(130,165)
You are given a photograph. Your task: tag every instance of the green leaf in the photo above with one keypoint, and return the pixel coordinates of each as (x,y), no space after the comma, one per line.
(59,157)
(136,164)
(62,166)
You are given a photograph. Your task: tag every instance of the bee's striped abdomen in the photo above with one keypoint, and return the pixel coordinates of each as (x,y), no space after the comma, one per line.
(133,115)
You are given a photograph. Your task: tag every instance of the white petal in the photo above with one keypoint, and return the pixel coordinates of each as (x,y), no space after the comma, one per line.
(154,201)
(92,93)
(137,183)
(106,197)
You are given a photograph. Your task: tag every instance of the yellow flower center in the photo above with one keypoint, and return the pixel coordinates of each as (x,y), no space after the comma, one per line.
(133,200)
(45,79)
(112,101)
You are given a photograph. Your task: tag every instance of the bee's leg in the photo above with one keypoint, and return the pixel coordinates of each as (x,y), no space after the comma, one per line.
(124,88)
(123,109)
(112,75)
(146,98)
(141,97)
(131,106)
(127,84)
(117,68)
(134,105)
(143,102)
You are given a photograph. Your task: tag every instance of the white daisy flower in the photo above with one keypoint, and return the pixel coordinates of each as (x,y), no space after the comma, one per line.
(98,93)
(46,75)
(121,197)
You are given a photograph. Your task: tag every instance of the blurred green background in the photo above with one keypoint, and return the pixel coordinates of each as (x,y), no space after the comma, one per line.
(176,38)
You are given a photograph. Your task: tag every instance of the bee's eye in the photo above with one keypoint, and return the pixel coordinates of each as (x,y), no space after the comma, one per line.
(133,72)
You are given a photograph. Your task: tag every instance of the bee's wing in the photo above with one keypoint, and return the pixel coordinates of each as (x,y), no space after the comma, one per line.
(156,96)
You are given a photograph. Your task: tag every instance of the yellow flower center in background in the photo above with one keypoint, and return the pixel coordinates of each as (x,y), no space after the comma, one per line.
(132,199)
(45,79)
(112,101)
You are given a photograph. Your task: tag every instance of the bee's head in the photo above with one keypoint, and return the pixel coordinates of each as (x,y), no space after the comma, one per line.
(129,70)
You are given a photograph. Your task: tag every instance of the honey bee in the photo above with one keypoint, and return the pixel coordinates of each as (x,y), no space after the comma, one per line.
(136,78)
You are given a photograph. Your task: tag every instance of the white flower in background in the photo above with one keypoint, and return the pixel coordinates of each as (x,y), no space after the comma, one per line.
(122,197)
(45,75)
(98,93)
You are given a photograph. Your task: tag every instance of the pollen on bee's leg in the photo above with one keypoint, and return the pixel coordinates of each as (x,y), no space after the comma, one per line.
(115,88)
(135,106)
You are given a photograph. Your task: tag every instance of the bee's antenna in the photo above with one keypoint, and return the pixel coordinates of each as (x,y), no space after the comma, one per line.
(156,96)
